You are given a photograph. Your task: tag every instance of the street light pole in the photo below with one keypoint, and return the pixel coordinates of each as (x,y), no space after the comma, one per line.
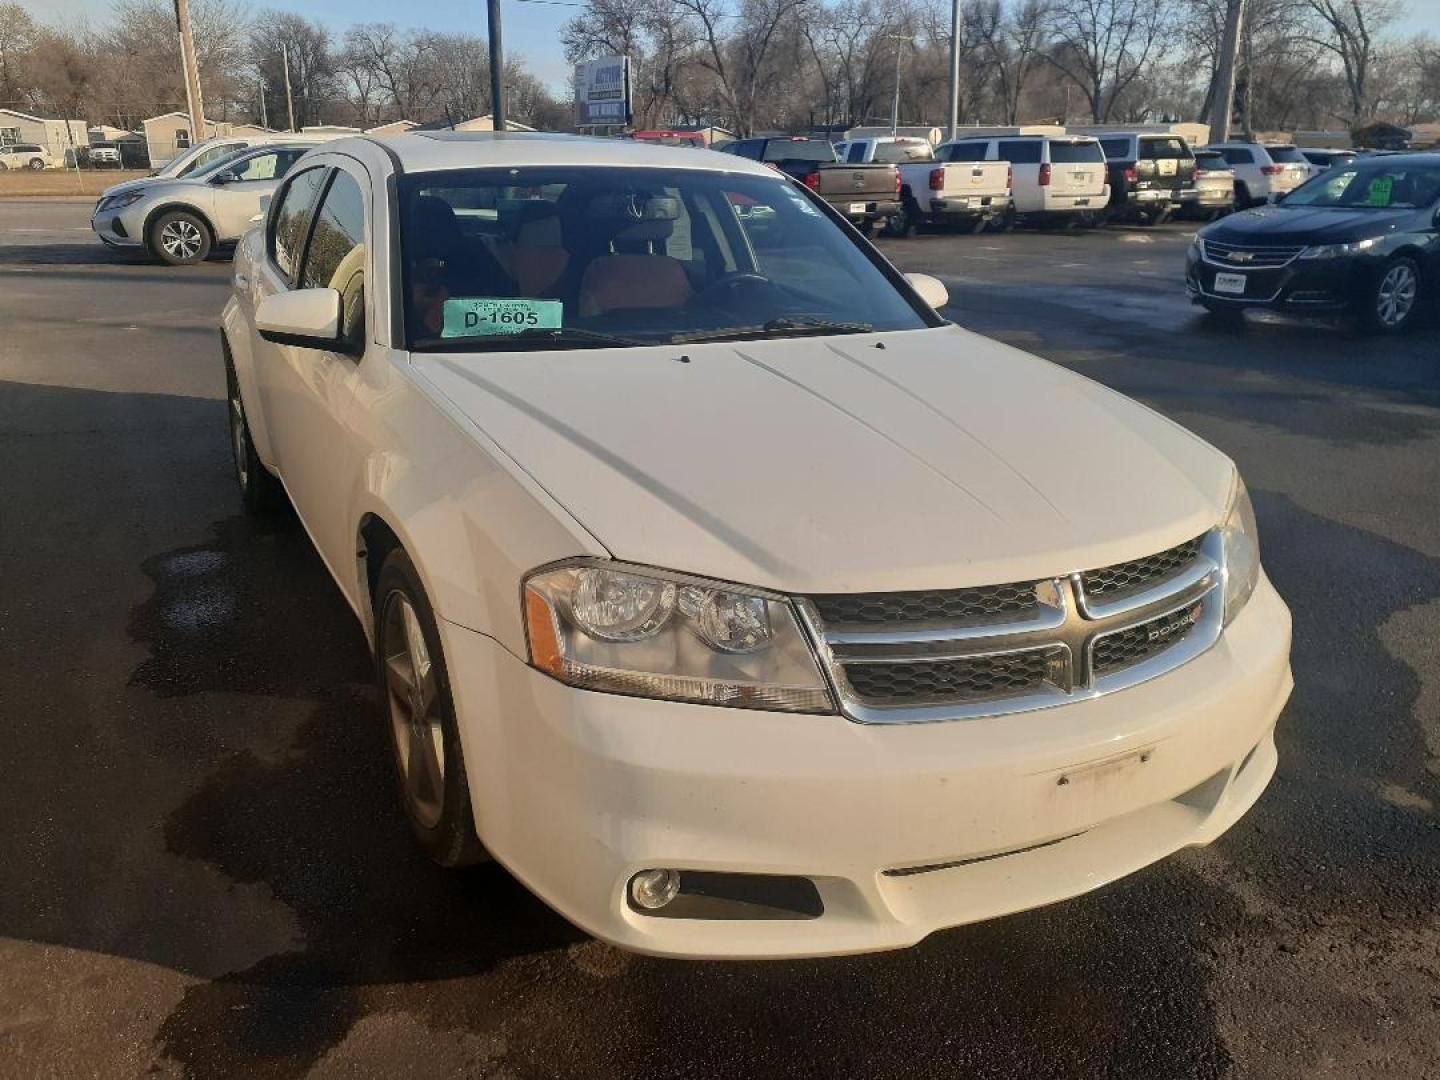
(895,107)
(954,69)
(497,69)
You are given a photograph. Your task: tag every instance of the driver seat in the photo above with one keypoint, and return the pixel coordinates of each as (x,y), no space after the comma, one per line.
(616,282)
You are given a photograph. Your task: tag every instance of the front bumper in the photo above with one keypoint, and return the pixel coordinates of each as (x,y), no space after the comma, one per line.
(575,792)
(1313,285)
(119,228)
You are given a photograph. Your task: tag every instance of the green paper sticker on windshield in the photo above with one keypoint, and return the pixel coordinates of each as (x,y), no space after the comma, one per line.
(1380,191)
(485,316)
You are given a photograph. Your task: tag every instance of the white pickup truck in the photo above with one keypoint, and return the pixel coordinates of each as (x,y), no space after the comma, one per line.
(934,192)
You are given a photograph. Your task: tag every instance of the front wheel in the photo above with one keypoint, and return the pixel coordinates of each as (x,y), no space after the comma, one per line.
(1391,303)
(429,765)
(260,492)
(36,164)
(180,238)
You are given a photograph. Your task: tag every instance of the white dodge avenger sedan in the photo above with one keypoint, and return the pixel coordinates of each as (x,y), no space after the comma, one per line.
(731,598)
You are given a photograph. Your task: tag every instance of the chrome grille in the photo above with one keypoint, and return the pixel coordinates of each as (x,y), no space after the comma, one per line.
(910,657)
(936,605)
(1128,577)
(1248,256)
(973,678)
(1115,652)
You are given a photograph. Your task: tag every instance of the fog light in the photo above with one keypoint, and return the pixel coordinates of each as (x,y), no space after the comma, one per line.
(653,889)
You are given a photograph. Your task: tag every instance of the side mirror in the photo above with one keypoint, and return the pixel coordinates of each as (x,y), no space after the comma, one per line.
(931,290)
(305,318)
(226,177)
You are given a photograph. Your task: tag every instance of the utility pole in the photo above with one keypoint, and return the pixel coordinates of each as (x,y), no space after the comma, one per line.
(954,68)
(1223,106)
(497,69)
(895,107)
(289,97)
(264,116)
(194,102)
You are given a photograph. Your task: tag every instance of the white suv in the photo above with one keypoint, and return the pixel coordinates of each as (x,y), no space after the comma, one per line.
(24,156)
(1050,175)
(1263,170)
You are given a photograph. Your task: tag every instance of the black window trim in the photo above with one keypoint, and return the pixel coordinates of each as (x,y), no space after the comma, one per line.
(321,196)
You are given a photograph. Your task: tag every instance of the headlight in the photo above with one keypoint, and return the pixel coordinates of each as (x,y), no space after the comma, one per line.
(650,633)
(1242,551)
(1336,251)
(1197,248)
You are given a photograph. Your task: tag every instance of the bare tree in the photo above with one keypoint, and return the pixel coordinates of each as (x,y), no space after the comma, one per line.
(312,65)
(1348,29)
(1102,46)
(659,40)
(740,57)
(18,34)
(403,64)
(1012,41)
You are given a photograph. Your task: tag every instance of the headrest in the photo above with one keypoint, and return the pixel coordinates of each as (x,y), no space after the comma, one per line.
(433,223)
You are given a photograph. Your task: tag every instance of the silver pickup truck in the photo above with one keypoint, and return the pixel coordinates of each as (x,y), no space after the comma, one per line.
(968,193)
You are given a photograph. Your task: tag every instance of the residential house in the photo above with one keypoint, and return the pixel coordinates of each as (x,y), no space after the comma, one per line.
(56,136)
(394,127)
(169,134)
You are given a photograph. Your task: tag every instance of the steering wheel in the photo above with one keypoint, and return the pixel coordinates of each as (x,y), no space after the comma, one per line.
(728,284)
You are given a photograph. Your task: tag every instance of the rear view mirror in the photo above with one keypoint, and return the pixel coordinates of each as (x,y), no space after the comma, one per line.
(931,290)
(305,318)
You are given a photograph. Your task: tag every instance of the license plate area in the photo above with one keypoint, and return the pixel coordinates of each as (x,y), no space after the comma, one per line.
(857,208)
(1231,284)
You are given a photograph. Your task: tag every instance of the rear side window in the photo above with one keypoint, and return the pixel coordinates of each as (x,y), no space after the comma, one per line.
(1116,148)
(1285,155)
(1208,159)
(291,218)
(1175,148)
(1237,155)
(856,154)
(1021,151)
(1075,153)
(335,257)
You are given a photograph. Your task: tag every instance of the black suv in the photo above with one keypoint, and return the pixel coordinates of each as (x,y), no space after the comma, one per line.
(1151,176)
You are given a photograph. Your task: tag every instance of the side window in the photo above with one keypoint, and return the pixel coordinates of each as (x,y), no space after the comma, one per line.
(1116,148)
(291,218)
(260,167)
(335,258)
(750,148)
(1237,156)
(856,154)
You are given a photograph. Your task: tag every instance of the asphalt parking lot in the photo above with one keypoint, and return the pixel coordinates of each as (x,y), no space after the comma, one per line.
(206,872)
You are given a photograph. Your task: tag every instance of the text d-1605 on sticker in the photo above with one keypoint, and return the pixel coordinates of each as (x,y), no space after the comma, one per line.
(484,316)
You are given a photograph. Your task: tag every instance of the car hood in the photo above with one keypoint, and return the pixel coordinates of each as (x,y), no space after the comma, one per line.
(906,460)
(131,185)
(1305,225)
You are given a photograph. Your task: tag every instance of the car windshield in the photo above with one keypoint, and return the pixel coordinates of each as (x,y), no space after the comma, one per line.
(540,258)
(1371,186)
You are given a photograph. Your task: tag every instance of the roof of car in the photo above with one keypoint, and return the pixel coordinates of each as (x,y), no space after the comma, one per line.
(434,150)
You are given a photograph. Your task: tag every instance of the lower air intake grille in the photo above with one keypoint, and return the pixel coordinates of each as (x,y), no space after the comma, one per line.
(974,678)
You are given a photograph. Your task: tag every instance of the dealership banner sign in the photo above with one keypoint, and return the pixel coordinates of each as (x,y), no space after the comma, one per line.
(602,92)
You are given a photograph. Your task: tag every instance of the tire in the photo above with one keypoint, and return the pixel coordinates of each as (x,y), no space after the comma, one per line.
(260,492)
(1005,222)
(180,238)
(36,164)
(1392,301)
(865,228)
(903,224)
(429,765)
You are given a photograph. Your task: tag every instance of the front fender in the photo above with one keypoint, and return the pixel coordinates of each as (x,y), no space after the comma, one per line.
(238,329)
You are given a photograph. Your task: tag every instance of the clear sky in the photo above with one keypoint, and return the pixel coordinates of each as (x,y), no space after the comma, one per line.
(531,30)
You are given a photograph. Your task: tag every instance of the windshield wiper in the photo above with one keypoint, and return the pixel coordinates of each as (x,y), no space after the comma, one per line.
(785,326)
(534,339)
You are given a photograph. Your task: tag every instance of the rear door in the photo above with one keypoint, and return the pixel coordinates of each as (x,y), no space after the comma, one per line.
(1165,162)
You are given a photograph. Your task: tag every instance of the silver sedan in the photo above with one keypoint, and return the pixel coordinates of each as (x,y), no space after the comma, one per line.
(182,221)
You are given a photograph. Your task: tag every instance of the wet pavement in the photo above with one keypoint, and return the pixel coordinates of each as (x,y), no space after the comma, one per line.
(206,872)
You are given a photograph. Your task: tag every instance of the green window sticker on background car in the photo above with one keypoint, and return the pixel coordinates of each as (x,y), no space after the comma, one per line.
(1381,189)
(485,316)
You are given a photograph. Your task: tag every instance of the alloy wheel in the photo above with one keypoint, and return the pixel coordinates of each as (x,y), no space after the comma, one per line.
(181,238)
(414,703)
(1395,298)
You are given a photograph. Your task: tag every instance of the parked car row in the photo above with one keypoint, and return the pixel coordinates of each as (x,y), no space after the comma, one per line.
(24,156)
